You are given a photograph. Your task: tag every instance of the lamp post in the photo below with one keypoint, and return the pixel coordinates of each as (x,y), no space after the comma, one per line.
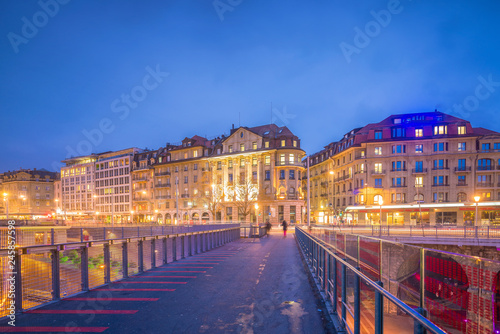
(6,199)
(380,202)
(476,199)
(256,213)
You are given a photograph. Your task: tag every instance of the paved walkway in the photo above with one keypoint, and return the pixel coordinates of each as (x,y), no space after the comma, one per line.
(247,286)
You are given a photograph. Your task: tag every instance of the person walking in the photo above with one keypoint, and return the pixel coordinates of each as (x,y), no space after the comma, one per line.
(268,228)
(285,225)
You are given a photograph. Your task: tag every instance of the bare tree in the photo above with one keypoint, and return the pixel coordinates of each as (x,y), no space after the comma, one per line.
(244,195)
(212,198)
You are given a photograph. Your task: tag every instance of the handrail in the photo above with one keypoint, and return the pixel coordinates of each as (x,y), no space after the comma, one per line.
(415,315)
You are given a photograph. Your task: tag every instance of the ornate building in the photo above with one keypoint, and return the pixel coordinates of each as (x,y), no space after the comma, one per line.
(408,168)
(251,175)
(27,194)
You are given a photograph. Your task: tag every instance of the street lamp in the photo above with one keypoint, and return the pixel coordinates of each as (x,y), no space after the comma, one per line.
(256,213)
(6,199)
(476,199)
(380,202)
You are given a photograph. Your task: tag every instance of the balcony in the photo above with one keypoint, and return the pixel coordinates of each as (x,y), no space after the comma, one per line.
(140,199)
(463,169)
(140,178)
(162,173)
(185,196)
(360,172)
(461,184)
(398,170)
(440,185)
(162,185)
(164,197)
(398,186)
(439,168)
(484,168)
(378,172)
(485,184)
(419,170)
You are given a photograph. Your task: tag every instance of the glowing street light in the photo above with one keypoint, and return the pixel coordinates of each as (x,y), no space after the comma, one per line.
(476,199)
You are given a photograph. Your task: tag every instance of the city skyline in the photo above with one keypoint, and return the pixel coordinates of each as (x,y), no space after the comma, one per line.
(144,75)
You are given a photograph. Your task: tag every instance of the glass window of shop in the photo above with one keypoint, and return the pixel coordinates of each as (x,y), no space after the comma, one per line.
(491,217)
(415,218)
(446,218)
(395,218)
(469,217)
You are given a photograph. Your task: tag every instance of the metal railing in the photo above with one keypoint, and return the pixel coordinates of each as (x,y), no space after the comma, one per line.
(375,286)
(48,273)
(253,231)
(438,231)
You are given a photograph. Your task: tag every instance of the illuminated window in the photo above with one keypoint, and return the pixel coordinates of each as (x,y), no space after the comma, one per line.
(242,147)
(291,159)
(461,130)
(242,162)
(282,159)
(378,150)
(254,161)
(266,144)
(254,145)
(461,147)
(283,142)
(268,160)
(419,181)
(419,148)
(195,154)
(230,148)
(419,132)
(440,130)
(230,163)
(294,143)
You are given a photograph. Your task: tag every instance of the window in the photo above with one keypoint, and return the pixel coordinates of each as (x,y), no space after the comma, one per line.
(440,181)
(440,164)
(185,179)
(485,147)
(219,165)
(398,166)
(242,147)
(419,148)
(230,178)
(397,121)
(254,176)
(398,149)
(378,168)
(294,143)
(419,132)
(461,165)
(419,181)
(398,132)
(195,178)
(291,175)
(282,159)
(440,130)
(461,130)
(254,145)
(462,197)
(195,167)
(283,142)
(378,134)
(496,147)
(291,159)
(378,150)
(484,164)
(230,148)
(242,162)
(440,197)
(268,160)
(461,147)
(266,144)
(398,181)
(254,161)
(267,175)
(419,166)
(440,147)
(377,199)
(195,154)
(230,163)
(398,198)
(282,174)
(461,180)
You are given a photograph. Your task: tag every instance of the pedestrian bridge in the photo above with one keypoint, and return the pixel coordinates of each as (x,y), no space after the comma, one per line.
(214,279)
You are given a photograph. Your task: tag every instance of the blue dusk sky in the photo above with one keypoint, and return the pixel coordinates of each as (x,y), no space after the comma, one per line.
(81,77)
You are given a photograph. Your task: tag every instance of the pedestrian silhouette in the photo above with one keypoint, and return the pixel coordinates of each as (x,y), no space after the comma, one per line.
(285,225)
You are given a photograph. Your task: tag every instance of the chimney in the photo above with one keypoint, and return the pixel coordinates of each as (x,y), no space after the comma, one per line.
(233,126)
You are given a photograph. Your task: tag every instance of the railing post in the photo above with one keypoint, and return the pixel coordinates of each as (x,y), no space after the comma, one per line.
(182,248)
(417,327)
(357,319)
(153,253)
(52,236)
(104,234)
(85,267)
(334,306)
(107,264)
(344,293)
(379,310)
(174,249)
(125,259)
(140,253)
(190,246)
(18,281)
(165,251)
(56,283)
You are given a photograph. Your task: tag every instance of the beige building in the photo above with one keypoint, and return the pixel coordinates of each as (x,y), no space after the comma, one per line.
(421,167)
(251,175)
(27,194)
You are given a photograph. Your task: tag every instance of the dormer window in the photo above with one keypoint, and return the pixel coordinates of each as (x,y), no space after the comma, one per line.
(241,134)
(397,121)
